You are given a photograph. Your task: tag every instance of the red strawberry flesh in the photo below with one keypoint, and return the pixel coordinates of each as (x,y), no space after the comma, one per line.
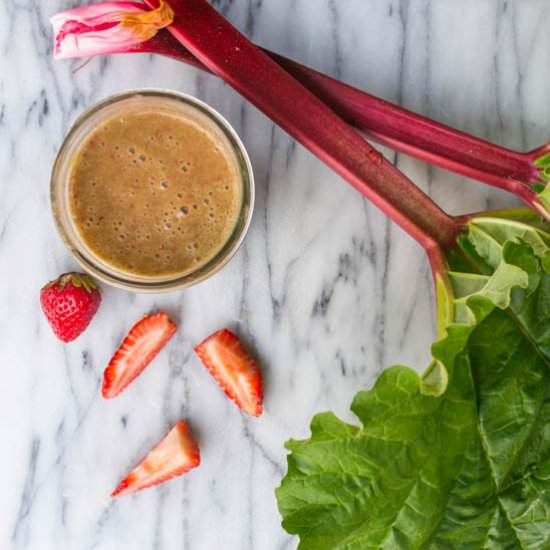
(176,454)
(146,338)
(234,370)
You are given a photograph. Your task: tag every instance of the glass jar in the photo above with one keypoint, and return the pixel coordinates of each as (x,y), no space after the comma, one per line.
(61,175)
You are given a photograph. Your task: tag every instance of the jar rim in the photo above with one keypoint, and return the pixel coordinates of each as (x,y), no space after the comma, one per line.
(101,269)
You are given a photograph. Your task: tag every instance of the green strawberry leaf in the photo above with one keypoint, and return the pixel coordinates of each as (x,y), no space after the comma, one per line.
(466,466)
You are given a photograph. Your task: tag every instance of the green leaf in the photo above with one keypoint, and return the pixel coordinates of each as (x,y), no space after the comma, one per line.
(543,161)
(435,379)
(464,468)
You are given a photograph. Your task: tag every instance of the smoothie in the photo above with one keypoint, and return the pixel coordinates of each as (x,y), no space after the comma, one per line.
(155,193)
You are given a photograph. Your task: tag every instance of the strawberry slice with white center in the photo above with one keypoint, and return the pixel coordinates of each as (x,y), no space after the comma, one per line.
(139,348)
(175,455)
(234,370)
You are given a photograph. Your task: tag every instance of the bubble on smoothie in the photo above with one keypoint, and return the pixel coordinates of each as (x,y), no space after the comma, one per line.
(184,210)
(164,184)
(142,158)
(131,151)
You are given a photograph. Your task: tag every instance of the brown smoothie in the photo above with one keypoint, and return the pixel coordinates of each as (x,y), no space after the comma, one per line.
(155,192)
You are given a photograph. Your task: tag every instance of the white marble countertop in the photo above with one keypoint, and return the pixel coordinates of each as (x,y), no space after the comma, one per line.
(326,290)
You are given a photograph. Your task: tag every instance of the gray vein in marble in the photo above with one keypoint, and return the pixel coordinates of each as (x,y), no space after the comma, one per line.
(33,490)
(159,515)
(335,37)
(252,12)
(26,500)
(519,85)
(103,519)
(495,77)
(255,444)
(275,302)
(185,505)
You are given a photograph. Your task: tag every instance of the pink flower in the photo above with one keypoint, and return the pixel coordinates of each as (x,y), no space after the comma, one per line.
(107,27)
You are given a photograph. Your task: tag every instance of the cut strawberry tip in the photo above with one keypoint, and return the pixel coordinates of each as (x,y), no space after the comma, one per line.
(175,455)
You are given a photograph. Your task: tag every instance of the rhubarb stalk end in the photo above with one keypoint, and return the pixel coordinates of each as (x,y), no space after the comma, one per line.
(107,27)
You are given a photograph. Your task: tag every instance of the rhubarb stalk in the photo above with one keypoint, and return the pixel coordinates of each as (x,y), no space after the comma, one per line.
(524,174)
(227,53)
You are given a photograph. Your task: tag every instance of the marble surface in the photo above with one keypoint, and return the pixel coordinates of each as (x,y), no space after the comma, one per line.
(325,289)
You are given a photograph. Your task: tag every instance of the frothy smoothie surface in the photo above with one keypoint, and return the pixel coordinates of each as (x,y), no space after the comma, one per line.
(155,193)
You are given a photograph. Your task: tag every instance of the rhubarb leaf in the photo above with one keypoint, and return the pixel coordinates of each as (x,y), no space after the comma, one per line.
(468,468)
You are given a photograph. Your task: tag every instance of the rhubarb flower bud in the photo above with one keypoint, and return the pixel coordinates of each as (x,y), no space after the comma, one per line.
(107,27)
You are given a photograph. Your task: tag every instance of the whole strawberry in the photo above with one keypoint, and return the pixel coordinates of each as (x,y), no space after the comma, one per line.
(69,303)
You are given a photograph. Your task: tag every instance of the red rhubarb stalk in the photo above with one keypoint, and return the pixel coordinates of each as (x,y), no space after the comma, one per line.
(405,131)
(126,27)
(227,53)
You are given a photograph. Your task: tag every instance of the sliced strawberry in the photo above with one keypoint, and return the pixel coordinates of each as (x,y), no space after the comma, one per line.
(176,454)
(144,341)
(234,370)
